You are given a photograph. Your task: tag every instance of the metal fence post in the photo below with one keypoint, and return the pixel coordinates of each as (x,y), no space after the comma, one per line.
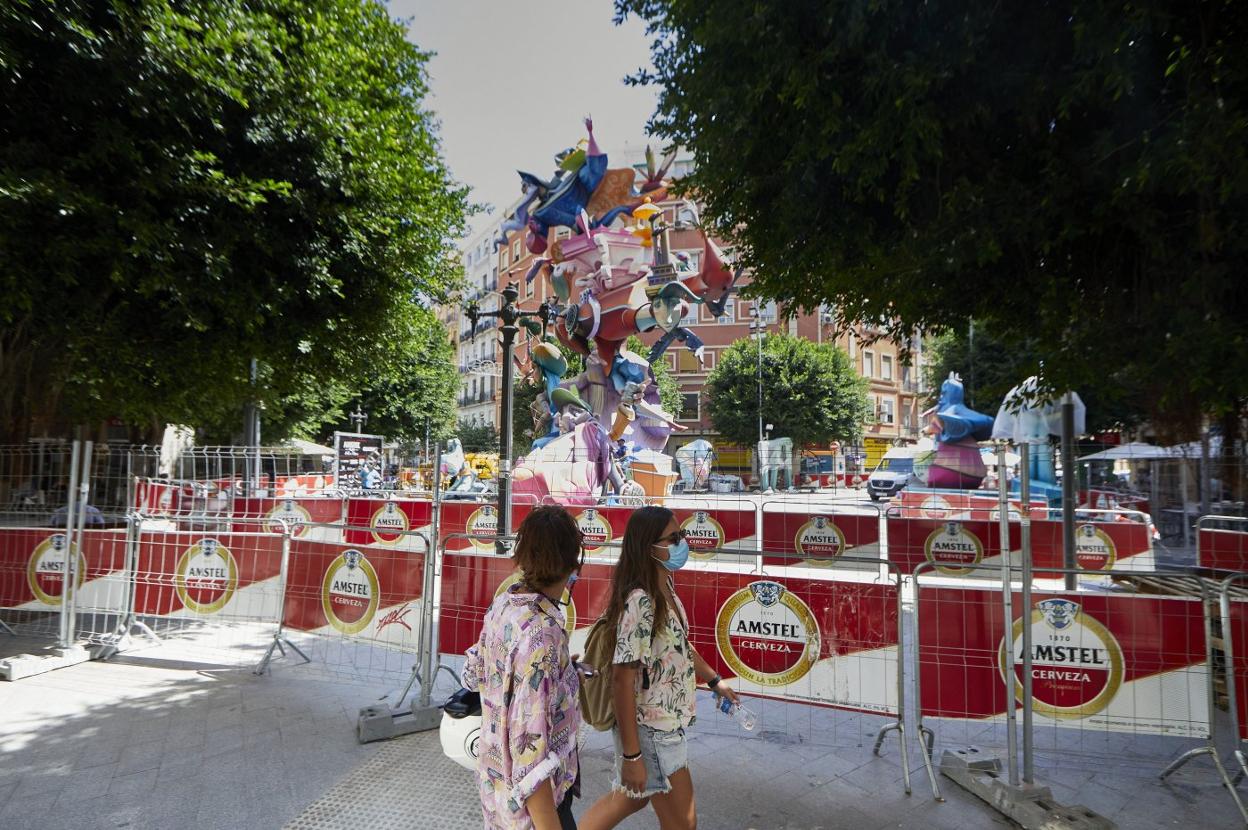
(1024,491)
(65,637)
(432,555)
(1007,602)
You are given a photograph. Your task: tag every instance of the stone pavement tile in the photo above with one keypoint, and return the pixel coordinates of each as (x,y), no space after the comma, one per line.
(26,812)
(6,790)
(134,784)
(100,753)
(49,779)
(85,784)
(140,758)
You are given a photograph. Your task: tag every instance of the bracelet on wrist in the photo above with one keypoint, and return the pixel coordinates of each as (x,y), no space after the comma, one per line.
(714,681)
(636,756)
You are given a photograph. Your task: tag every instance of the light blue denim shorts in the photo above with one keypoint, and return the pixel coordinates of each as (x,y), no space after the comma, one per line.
(662,753)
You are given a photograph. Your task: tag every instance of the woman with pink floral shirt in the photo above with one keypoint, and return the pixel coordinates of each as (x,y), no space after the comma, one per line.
(528,772)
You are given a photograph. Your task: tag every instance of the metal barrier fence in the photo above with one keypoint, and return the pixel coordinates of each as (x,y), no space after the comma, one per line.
(827,638)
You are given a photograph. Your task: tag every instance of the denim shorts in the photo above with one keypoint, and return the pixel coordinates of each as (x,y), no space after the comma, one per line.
(662,753)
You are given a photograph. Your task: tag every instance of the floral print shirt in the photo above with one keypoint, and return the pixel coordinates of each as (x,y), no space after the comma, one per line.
(529,713)
(669,703)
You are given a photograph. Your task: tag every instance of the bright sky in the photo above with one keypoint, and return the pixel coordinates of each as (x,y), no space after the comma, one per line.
(512,80)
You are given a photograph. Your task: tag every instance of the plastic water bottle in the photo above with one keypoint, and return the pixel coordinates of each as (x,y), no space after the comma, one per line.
(744,717)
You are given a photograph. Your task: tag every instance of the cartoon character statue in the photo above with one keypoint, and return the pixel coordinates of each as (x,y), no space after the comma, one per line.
(956,428)
(1026,418)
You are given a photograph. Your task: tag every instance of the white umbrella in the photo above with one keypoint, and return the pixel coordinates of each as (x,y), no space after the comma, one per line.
(1134,451)
(990,457)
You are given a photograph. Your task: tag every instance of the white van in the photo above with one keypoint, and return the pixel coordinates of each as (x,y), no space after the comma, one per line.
(894,473)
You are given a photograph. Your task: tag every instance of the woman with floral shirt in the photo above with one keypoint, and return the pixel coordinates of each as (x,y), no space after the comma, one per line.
(528,771)
(653,678)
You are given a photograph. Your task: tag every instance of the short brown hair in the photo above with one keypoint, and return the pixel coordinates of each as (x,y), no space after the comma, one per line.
(549,546)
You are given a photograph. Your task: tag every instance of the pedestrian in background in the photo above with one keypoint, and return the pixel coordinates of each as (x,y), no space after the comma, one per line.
(654,677)
(528,772)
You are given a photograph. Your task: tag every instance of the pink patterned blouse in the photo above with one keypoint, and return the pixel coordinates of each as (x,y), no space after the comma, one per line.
(529,712)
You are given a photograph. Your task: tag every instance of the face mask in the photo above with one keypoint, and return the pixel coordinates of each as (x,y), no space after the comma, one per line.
(677,555)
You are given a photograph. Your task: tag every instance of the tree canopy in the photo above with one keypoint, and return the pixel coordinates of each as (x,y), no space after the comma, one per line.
(811,393)
(1071,174)
(186,186)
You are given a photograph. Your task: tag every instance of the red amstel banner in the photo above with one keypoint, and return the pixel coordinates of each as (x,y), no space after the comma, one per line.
(1099,546)
(32,565)
(271,515)
(1238,632)
(366,593)
(951,545)
(813,640)
(820,539)
(203,574)
(1222,550)
(1102,661)
(981,506)
(387,522)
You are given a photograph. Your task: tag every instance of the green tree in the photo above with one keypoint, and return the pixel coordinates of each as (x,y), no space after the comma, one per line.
(669,388)
(990,368)
(477,437)
(1071,174)
(811,393)
(186,186)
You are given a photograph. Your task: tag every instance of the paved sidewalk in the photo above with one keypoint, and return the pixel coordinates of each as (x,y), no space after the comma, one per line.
(156,740)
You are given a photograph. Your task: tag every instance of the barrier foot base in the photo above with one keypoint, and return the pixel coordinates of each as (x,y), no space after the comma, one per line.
(380,723)
(901,741)
(927,739)
(263,665)
(1030,807)
(1212,752)
(28,665)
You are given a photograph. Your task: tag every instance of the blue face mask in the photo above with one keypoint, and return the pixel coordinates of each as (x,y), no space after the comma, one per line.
(677,555)
(572,579)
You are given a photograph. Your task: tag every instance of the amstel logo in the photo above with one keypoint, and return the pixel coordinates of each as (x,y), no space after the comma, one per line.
(389,524)
(767,635)
(1076,664)
(951,547)
(288,513)
(206,576)
(45,571)
(704,535)
(935,507)
(819,541)
(569,607)
(482,522)
(595,529)
(1094,550)
(350,592)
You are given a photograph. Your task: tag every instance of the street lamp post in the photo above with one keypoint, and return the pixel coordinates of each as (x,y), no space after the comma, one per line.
(511,318)
(757,327)
(359,418)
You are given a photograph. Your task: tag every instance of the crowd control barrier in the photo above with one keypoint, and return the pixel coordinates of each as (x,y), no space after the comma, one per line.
(1222,543)
(959,505)
(1232,597)
(794,535)
(828,638)
(1107,670)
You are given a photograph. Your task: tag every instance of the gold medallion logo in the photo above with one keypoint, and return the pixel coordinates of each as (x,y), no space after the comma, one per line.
(935,507)
(350,592)
(951,547)
(595,529)
(45,571)
(704,534)
(206,576)
(389,524)
(767,635)
(288,513)
(819,541)
(483,522)
(1094,550)
(1076,663)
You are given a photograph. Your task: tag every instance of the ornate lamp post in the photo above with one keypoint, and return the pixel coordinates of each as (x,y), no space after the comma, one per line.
(359,417)
(511,318)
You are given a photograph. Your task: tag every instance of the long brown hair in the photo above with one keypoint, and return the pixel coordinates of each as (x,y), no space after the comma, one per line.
(637,567)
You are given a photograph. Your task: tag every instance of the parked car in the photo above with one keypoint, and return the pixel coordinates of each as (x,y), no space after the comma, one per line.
(894,473)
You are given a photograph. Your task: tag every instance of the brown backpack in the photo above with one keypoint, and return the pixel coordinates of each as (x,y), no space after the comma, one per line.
(597,707)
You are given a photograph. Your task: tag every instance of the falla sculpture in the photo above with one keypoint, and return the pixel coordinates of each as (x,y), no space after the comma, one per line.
(613,277)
